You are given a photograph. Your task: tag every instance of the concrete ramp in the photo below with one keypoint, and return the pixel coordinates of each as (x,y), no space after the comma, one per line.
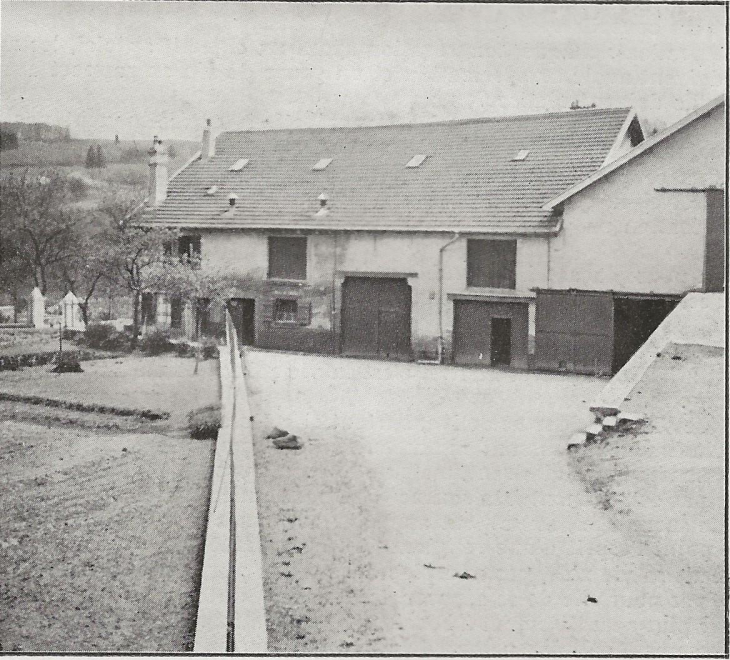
(698,319)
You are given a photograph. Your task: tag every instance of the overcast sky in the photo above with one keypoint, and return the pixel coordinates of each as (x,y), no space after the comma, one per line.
(144,68)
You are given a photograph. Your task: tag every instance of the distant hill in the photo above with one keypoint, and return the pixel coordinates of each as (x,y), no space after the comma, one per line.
(72,153)
(35,132)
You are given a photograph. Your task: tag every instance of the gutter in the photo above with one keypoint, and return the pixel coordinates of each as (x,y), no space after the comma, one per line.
(453,240)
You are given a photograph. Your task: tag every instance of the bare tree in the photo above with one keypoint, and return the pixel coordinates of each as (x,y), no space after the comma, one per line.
(36,219)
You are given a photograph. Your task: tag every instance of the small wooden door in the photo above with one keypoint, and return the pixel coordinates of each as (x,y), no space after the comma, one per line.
(501,342)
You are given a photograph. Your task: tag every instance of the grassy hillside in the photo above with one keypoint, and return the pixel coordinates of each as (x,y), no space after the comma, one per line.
(73,153)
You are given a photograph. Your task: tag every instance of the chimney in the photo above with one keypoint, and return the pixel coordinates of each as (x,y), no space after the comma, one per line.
(208,147)
(158,173)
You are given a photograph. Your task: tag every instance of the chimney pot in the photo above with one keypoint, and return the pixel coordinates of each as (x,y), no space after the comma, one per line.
(157,192)
(207,149)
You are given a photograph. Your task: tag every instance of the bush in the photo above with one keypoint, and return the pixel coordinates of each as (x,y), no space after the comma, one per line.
(184,349)
(97,334)
(203,423)
(118,341)
(68,363)
(70,335)
(156,343)
(210,349)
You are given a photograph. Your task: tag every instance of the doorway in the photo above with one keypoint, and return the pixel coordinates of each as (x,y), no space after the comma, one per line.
(243,315)
(501,342)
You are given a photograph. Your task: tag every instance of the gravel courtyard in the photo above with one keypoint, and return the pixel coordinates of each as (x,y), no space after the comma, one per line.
(411,475)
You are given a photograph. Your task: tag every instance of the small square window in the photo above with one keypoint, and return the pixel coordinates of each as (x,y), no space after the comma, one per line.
(285,311)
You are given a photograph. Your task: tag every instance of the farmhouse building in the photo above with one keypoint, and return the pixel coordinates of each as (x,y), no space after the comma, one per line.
(557,241)
(421,241)
(635,237)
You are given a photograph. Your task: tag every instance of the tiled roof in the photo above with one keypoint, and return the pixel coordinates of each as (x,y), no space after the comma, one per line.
(468,181)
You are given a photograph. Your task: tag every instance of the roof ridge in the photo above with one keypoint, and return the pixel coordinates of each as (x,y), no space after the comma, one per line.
(442,122)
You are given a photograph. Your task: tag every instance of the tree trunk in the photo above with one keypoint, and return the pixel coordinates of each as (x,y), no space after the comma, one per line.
(135,318)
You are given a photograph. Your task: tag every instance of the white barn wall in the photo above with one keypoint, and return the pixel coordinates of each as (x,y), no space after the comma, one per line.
(620,234)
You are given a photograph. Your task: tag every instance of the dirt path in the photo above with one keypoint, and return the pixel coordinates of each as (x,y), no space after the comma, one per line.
(466,471)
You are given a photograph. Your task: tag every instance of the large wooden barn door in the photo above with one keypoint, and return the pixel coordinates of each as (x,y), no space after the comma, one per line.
(376,317)
(574,331)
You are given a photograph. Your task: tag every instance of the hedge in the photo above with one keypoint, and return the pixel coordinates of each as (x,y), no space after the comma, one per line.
(153,415)
(15,362)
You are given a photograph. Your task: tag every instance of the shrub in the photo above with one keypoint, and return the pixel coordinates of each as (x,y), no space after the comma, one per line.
(68,363)
(97,333)
(118,341)
(184,349)
(70,334)
(156,343)
(210,349)
(203,423)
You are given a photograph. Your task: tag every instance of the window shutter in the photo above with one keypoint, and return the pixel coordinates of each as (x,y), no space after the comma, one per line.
(304,312)
(267,310)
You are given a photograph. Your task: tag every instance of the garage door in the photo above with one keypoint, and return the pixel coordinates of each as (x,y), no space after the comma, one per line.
(376,317)
(574,331)
(490,333)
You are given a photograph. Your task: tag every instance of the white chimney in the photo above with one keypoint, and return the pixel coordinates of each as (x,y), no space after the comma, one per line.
(158,173)
(208,147)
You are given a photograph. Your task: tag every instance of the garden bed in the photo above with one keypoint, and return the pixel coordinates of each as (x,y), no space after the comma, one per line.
(103,517)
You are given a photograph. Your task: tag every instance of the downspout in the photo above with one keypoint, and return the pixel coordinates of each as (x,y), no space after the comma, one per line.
(333,311)
(453,240)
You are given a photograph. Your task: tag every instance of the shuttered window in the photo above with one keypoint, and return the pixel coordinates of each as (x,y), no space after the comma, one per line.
(286,310)
(491,263)
(288,257)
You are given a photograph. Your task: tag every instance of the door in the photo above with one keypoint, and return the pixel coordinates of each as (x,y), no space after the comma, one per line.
(501,340)
(490,333)
(376,317)
(574,331)
(243,315)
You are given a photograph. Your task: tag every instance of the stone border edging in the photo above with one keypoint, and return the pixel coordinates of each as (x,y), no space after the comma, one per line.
(211,627)
(250,634)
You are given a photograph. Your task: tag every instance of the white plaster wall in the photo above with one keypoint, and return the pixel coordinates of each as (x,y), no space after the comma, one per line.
(246,252)
(243,252)
(621,234)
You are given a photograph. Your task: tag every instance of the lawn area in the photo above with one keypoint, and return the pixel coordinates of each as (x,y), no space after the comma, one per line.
(102,527)
(161,383)
(16,341)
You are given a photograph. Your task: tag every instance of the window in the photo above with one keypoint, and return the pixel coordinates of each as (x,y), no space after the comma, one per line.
(491,263)
(286,311)
(522,154)
(288,257)
(321,164)
(238,165)
(416,161)
(188,247)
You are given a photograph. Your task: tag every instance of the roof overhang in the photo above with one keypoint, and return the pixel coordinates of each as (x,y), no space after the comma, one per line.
(329,227)
(647,144)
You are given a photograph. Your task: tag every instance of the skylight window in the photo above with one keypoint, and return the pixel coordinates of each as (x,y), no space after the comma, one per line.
(416,161)
(238,165)
(522,154)
(212,190)
(321,164)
